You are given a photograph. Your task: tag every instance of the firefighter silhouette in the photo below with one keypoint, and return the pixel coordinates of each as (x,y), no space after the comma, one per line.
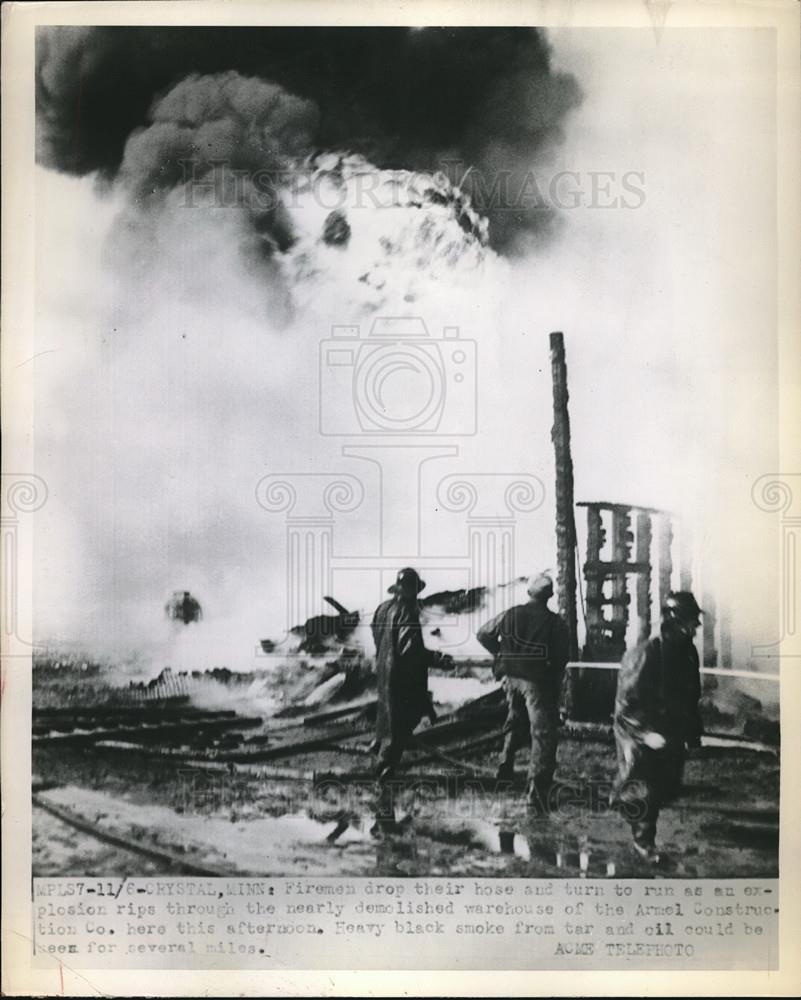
(182,607)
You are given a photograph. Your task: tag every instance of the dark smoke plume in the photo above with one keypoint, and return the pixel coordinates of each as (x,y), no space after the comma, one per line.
(254,127)
(436,98)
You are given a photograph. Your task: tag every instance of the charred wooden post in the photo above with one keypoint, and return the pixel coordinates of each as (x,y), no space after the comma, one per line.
(565,523)
(665,559)
(596,572)
(644,579)
(596,537)
(622,539)
(607,633)
(593,690)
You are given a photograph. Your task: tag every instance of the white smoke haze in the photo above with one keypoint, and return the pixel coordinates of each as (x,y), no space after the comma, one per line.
(185,390)
(183,367)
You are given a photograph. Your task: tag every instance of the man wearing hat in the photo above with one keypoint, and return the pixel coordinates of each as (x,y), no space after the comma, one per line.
(401,663)
(656,718)
(530,644)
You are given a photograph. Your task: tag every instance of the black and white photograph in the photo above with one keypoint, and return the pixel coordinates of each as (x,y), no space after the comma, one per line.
(405,427)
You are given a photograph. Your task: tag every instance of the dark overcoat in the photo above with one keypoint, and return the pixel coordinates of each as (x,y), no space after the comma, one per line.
(401,663)
(658,690)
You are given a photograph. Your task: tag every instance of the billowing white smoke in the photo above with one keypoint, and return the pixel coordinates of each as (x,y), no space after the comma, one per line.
(186,373)
(177,364)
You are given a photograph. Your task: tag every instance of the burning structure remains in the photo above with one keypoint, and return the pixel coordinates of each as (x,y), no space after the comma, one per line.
(273,195)
(318,712)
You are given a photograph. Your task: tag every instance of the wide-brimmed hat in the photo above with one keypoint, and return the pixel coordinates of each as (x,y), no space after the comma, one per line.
(407,581)
(683,604)
(538,584)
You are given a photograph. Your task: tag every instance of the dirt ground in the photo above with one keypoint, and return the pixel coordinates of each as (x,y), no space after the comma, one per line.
(239,822)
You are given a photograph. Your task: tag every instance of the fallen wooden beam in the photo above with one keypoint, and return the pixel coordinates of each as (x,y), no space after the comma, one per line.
(492,703)
(728,741)
(337,713)
(456,727)
(206,763)
(252,771)
(147,734)
(482,741)
(754,835)
(117,840)
(588,731)
(466,746)
(355,749)
(178,707)
(764,816)
(68,720)
(455,762)
(443,780)
(322,742)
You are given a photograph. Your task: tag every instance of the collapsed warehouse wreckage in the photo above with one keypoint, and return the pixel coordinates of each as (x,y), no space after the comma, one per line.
(282,754)
(148,774)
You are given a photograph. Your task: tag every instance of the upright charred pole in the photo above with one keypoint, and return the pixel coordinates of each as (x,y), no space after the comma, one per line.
(565,522)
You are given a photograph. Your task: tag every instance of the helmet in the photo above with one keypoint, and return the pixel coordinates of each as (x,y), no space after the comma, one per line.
(682,604)
(540,584)
(407,582)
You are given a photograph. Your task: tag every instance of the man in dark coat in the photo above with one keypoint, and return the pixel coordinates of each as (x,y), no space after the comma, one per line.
(401,663)
(656,718)
(530,644)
